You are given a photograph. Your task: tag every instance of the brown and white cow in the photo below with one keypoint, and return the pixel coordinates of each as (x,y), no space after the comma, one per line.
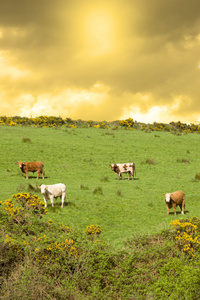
(32,167)
(174,199)
(124,168)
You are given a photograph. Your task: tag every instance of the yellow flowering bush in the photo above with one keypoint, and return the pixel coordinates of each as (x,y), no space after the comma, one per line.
(46,250)
(32,202)
(93,230)
(187,234)
(29,204)
(14,246)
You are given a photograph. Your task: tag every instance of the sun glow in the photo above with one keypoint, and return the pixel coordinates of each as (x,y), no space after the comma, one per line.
(99,32)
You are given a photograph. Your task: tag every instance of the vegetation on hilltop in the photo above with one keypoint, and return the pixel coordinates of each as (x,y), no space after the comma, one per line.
(52,121)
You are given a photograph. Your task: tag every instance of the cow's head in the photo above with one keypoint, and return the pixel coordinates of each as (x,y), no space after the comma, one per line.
(20,163)
(43,188)
(167,197)
(113,166)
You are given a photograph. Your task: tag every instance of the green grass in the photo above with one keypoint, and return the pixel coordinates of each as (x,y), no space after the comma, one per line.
(80,158)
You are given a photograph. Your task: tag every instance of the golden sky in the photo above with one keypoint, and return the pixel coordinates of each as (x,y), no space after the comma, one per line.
(101,60)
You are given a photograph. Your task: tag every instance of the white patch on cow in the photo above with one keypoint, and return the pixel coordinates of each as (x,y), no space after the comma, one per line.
(167,197)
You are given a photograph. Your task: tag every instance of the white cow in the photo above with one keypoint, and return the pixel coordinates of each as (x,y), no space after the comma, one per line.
(53,191)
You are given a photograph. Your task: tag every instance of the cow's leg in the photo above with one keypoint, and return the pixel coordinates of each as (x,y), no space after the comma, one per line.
(45,202)
(51,198)
(26,174)
(174,207)
(182,207)
(38,174)
(167,209)
(121,176)
(62,199)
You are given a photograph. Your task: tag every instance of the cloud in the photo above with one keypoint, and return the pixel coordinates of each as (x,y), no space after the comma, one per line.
(54,54)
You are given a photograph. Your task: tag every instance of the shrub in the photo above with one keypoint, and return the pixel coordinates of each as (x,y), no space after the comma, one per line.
(93,230)
(187,235)
(30,204)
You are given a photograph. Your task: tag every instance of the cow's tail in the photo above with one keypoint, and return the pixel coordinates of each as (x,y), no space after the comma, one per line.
(134,169)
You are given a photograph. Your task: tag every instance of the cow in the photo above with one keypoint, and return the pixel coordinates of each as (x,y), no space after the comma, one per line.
(124,168)
(53,191)
(32,167)
(174,199)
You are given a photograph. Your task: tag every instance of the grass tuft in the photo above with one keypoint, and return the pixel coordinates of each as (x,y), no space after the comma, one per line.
(149,161)
(26,140)
(105,179)
(183,160)
(197,177)
(119,193)
(98,191)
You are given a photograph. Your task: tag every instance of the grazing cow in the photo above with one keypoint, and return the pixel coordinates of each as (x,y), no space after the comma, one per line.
(53,191)
(174,199)
(32,167)
(124,168)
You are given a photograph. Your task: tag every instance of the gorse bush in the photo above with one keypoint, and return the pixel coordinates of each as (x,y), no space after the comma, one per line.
(65,264)
(93,230)
(187,235)
(30,204)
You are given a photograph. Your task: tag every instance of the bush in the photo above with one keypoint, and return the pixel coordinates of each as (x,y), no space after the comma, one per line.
(65,264)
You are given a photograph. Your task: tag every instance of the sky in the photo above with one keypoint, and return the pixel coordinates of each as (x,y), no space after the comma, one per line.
(101,60)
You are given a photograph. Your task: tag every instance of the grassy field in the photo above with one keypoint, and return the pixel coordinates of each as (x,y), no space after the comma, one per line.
(80,158)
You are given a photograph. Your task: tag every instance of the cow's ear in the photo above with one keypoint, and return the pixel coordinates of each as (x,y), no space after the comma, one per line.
(164,195)
(39,187)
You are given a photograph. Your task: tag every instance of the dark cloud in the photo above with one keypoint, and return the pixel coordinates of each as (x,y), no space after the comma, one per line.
(44,51)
